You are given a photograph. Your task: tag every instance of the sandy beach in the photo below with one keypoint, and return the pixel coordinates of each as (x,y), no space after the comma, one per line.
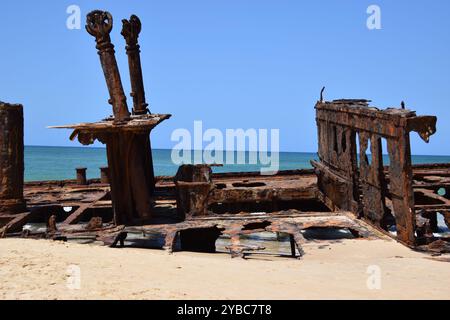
(41,269)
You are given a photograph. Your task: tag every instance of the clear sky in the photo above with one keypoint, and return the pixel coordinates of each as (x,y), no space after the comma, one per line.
(231,64)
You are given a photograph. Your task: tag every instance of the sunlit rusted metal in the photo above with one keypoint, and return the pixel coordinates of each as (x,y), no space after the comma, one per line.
(99,24)
(361,185)
(11,159)
(340,191)
(130,31)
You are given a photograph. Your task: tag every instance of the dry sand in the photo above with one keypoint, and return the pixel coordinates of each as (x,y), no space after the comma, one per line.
(38,269)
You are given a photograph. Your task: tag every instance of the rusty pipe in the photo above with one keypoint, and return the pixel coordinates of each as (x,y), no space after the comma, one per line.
(99,25)
(130,31)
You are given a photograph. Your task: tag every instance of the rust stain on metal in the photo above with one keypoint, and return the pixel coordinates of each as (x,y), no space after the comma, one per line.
(11,159)
(384,196)
(130,164)
(130,31)
(99,25)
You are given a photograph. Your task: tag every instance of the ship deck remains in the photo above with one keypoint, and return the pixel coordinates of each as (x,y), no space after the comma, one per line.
(352,186)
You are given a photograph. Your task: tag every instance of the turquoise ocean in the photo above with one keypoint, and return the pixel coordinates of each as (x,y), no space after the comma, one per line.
(58,163)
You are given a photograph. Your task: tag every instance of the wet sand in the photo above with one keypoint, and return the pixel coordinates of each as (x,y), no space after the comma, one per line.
(41,269)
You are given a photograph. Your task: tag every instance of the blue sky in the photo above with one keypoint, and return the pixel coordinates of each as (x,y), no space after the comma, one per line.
(231,64)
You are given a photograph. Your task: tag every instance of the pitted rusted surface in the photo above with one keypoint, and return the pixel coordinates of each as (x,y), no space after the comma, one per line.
(127,138)
(11,159)
(99,25)
(291,222)
(130,31)
(384,196)
(196,207)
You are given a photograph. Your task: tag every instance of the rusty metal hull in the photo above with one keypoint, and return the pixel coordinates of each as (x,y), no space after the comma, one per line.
(385,196)
(344,191)
(199,232)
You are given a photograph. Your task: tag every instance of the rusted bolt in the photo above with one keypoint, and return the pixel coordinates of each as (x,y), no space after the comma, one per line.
(104,175)
(81,176)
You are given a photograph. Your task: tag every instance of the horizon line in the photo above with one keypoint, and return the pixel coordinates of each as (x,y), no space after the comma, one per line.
(313,152)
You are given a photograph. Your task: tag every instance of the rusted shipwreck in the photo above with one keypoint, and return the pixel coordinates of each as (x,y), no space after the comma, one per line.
(349,188)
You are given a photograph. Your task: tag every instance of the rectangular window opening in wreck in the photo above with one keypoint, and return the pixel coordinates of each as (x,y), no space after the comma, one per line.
(199,239)
(420,198)
(443,225)
(329,234)
(279,243)
(40,215)
(148,240)
(388,221)
(261,242)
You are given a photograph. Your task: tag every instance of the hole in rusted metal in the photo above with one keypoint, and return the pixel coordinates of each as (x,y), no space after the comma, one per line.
(335,139)
(344,142)
(248,184)
(42,214)
(442,224)
(368,150)
(200,239)
(327,234)
(257,225)
(422,199)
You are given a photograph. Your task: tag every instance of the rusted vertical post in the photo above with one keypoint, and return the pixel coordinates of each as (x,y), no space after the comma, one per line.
(81,176)
(372,179)
(193,184)
(400,175)
(337,169)
(99,25)
(130,177)
(379,178)
(292,242)
(11,159)
(130,164)
(104,175)
(130,31)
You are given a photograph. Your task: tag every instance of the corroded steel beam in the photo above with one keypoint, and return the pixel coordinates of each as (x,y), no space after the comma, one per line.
(130,31)
(388,123)
(99,24)
(360,185)
(11,159)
